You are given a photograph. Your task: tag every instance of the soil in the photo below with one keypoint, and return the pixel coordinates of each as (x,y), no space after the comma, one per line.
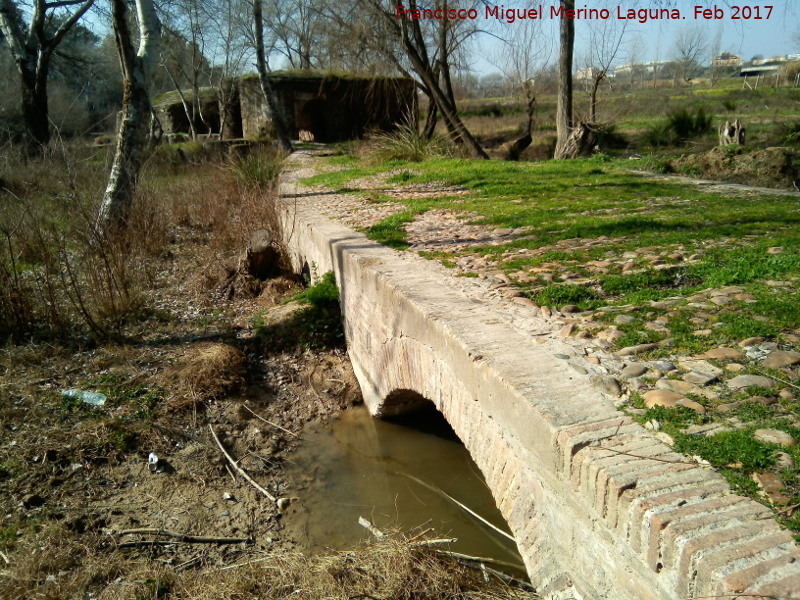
(200,363)
(769,167)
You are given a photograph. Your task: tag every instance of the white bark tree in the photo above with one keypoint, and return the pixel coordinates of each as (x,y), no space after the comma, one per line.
(137,62)
(32,45)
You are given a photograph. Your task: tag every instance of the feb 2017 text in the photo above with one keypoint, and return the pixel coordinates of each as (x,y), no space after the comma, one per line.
(500,12)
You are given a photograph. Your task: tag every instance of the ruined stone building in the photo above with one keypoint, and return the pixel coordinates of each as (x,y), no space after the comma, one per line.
(317,106)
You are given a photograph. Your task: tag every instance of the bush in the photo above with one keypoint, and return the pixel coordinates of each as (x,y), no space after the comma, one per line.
(407,143)
(685,125)
(681,126)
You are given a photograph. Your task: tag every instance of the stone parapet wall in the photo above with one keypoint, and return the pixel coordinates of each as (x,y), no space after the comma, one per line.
(600,509)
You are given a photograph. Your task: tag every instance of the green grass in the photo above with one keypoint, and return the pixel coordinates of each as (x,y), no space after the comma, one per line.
(727,448)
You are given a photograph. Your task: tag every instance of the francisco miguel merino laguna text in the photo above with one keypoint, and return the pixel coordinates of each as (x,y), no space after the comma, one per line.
(510,15)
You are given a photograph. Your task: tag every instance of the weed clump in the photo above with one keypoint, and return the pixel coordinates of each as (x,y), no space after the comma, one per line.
(680,127)
(407,143)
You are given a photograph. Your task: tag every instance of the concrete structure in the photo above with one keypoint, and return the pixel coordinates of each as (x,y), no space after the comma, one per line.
(320,107)
(726,59)
(599,507)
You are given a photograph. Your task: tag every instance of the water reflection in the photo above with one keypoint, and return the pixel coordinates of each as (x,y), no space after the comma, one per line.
(384,471)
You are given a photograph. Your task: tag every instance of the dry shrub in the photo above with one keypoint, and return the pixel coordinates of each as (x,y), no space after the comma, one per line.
(206,372)
(59,274)
(387,569)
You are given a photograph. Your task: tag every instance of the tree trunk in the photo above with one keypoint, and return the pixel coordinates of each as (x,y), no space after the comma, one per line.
(136,110)
(518,146)
(564,106)
(430,120)
(278,120)
(581,142)
(34,108)
(593,99)
(731,133)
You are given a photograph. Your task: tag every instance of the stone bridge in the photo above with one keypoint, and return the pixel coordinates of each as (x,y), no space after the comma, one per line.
(598,506)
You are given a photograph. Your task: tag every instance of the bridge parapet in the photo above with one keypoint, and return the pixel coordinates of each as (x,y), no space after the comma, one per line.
(600,509)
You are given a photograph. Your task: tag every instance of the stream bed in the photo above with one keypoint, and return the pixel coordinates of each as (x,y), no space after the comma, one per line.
(359,466)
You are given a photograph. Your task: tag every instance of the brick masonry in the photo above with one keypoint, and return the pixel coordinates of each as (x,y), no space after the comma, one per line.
(599,507)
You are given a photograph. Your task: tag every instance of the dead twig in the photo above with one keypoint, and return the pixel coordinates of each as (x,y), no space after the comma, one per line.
(663,460)
(460,505)
(478,559)
(434,542)
(268,422)
(238,469)
(5,558)
(182,537)
(366,524)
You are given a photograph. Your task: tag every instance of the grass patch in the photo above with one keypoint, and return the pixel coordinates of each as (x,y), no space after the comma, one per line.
(728,447)
(559,295)
(320,324)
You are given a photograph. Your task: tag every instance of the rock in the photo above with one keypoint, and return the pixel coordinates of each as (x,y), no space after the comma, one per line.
(524,301)
(721,353)
(742,381)
(665,437)
(633,370)
(775,250)
(593,360)
(683,387)
(751,341)
(606,384)
(786,394)
(735,367)
(766,401)
(569,309)
(702,332)
(579,369)
(283,504)
(664,365)
(610,335)
(566,330)
(774,436)
(771,486)
(779,359)
(699,366)
(638,349)
(695,406)
(546,312)
(784,461)
(699,378)
(721,300)
(664,398)
(562,356)
(624,319)
(628,267)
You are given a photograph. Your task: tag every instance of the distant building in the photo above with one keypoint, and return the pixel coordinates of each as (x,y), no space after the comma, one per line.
(774,60)
(588,74)
(726,59)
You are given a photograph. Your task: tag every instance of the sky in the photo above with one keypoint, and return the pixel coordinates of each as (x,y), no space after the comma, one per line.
(772,35)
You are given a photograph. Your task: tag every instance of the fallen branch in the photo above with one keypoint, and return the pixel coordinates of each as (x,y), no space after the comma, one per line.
(478,559)
(238,469)
(434,542)
(370,527)
(268,422)
(460,505)
(183,537)
(5,558)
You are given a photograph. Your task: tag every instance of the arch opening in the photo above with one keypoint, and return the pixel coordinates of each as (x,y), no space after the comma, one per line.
(403,401)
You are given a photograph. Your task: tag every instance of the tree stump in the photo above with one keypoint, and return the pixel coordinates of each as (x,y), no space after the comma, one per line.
(731,133)
(263,259)
(581,142)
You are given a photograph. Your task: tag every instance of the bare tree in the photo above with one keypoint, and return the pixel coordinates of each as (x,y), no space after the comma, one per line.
(566,48)
(278,120)
(690,48)
(137,62)
(429,53)
(523,56)
(32,45)
(605,41)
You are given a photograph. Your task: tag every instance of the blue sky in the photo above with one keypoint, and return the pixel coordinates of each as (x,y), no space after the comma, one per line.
(656,39)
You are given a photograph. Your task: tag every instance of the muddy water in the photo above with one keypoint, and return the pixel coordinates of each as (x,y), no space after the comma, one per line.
(359,466)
